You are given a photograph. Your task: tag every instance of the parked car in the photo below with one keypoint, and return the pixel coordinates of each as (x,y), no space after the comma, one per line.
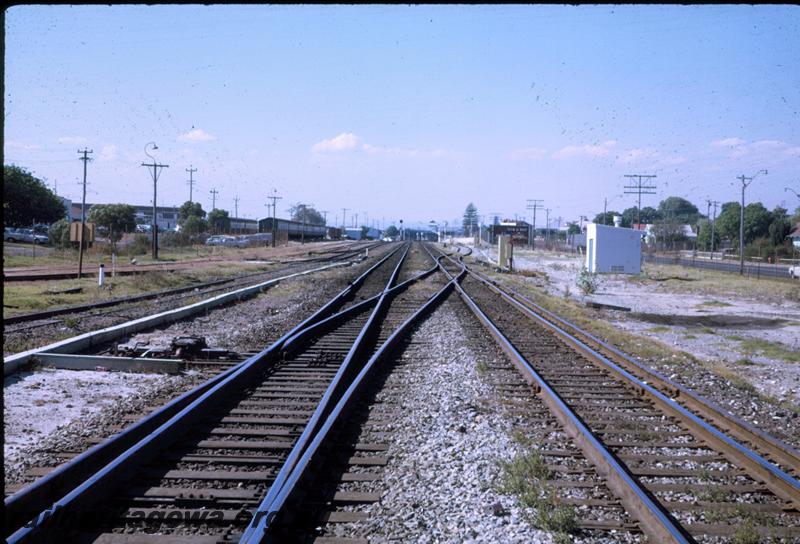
(24,235)
(794,272)
(217,240)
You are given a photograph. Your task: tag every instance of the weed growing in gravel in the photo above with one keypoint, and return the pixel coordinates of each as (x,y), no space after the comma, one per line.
(586,282)
(659,328)
(481,367)
(524,476)
(70,322)
(714,303)
(746,534)
(745,362)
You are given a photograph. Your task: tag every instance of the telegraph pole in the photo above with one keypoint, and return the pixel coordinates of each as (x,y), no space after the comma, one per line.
(236,206)
(640,190)
(547,232)
(344,223)
(156,173)
(191,180)
(85,160)
(214,194)
(745,182)
(533,204)
(713,224)
(274,230)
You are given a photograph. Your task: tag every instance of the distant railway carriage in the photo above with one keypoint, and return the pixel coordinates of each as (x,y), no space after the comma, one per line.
(292,230)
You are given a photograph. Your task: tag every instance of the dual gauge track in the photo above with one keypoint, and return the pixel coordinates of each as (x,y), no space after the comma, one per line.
(272,449)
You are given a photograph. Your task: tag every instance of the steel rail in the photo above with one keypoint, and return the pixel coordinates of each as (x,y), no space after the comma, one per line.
(291,344)
(269,515)
(33,316)
(774,478)
(780,451)
(90,490)
(332,393)
(655,520)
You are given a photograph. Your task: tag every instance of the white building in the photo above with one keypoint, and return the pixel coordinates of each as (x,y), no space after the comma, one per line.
(613,250)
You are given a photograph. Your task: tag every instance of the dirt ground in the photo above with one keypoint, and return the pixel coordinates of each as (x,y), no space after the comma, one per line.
(748,327)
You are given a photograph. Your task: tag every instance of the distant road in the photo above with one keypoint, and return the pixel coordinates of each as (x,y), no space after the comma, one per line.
(755,270)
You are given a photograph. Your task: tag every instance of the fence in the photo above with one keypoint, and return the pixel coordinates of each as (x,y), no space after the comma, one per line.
(753,270)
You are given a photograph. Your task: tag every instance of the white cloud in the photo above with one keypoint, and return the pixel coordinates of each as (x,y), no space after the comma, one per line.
(589,150)
(345,141)
(10,144)
(529,153)
(196,135)
(401,151)
(108,153)
(72,140)
(639,154)
(727,142)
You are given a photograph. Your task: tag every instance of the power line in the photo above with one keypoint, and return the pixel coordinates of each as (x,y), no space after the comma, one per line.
(640,190)
(214,194)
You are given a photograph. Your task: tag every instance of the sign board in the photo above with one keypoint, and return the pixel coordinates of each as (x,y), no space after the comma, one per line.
(75,232)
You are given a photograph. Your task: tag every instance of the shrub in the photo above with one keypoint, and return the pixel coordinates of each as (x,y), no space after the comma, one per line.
(140,245)
(586,282)
(59,233)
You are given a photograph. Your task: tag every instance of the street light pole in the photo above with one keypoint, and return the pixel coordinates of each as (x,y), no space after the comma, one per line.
(745,182)
(155,166)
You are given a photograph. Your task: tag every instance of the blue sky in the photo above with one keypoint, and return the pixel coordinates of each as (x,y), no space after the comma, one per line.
(407,111)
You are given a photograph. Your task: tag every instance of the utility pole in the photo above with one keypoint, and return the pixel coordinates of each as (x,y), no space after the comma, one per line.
(156,173)
(274,199)
(547,231)
(533,204)
(640,190)
(324,216)
(191,180)
(745,182)
(713,224)
(355,223)
(236,207)
(85,160)
(344,223)
(214,194)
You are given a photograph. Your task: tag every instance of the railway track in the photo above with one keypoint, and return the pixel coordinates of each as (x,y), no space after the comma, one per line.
(282,453)
(262,414)
(193,290)
(681,478)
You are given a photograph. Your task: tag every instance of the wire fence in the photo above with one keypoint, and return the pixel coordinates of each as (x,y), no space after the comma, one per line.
(755,270)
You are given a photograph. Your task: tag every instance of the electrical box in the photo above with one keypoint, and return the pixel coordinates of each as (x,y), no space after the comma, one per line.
(75,232)
(613,250)
(505,252)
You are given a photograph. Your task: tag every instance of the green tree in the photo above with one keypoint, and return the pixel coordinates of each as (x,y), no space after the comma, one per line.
(59,233)
(306,214)
(779,227)
(704,235)
(678,209)
(117,218)
(392,231)
(756,221)
(190,209)
(470,221)
(606,218)
(648,215)
(194,225)
(27,200)
(573,228)
(219,221)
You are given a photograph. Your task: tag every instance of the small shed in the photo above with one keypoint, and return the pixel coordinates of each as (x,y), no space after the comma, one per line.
(613,250)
